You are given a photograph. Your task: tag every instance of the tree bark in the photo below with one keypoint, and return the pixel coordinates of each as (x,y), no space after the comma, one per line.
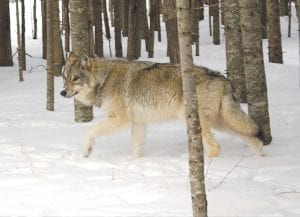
(256,86)
(50,56)
(5,40)
(216,22)
(98,28)
(134,40)
(234,50)
(44,28)
(80,45)
(58,55)
(118,25)
(196,158)
(23,50)
(274,32)
(21,78)
(66,24)
(284,8)
(170,19)
(264,20)
(34,21)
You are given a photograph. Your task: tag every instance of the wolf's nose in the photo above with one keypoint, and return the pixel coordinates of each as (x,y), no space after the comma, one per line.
(63,93)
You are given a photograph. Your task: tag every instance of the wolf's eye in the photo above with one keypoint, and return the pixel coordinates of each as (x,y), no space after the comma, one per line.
(76,78)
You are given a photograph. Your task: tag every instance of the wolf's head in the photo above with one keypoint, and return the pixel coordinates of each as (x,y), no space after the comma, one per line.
(78,79)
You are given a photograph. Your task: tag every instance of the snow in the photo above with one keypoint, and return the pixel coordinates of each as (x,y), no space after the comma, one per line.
(43,173)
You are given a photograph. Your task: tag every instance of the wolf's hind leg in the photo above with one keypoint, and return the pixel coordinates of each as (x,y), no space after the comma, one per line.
(138,131)
(208,138)
(106,127)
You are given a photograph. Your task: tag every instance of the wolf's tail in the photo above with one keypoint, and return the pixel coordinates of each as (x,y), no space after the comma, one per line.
(236,120)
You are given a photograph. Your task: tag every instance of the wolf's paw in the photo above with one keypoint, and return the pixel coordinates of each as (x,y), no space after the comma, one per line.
(214,152)
(88,146)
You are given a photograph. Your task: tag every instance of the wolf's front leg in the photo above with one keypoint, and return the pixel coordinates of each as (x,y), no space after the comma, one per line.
(106,127)
(138,132)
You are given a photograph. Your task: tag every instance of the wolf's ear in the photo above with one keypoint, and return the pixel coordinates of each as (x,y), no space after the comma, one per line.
(72,57)
(85,60)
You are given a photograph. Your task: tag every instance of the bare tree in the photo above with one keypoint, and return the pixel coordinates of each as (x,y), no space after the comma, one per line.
(19,42)
(5,41)
(234,50)
(274,32)
(170,19)
(256,86)
(196,159)
(50,57)
(34,20)
(80,45)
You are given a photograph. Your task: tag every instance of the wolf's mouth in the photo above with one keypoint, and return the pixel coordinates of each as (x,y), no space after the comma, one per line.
(74,94)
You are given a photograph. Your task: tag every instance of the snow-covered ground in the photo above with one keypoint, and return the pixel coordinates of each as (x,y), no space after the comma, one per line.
(42,172)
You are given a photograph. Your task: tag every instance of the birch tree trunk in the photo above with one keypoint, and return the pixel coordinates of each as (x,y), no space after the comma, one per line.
(5,40)
(196,159)
(19,42)
(274,32)
(234,50)
(256,86)
(80,45)
(50,61)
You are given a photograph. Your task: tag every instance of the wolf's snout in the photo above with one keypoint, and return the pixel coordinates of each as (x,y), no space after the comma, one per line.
(63,93)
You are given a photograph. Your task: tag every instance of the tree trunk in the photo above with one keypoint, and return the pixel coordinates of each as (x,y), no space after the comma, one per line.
(284,8)
(274,32)
(80,45)
(98,28)
(118,25)
(125,10)
(264,20)
(58,55)
(134,40)
(234,50)
(66,24)
(196,158)
(34,21)
(216,22)
(170,19)
(50,55)
(44,28)
(19,41)
(257,97)
(5,41)
(23,50)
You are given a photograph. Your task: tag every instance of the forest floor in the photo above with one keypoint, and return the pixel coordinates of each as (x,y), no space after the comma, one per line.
(43,173)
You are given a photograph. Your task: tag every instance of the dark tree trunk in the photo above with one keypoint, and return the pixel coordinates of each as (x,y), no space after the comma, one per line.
(98,28)
(23,50)
(44,27)
(170,19)
(274,32)
(118,25)
(134,40)
(5,41)
(34,21)
(263,14)
(66,24)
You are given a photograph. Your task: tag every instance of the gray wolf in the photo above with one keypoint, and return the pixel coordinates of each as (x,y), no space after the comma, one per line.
(134,94)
